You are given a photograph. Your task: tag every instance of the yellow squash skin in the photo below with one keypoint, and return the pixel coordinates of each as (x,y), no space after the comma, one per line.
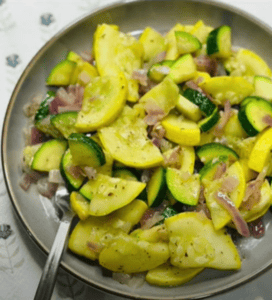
(126,254)
(104,99)
(101,230)
(247,63)
(165,95)
(181,131)
(126,140)
(194,243)
(223,88)
(107,194)
(167,275)
(115,51)
(153,43)
(260,155)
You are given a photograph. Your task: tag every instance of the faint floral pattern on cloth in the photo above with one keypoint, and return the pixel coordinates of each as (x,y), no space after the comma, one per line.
(48,26)
(9,250)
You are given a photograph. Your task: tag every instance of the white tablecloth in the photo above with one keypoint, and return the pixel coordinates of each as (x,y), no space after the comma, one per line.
(25,25)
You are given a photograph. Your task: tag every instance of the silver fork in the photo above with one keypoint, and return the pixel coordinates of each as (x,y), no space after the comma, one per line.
(48,278)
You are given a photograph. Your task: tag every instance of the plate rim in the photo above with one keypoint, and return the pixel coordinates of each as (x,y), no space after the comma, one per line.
(71,25)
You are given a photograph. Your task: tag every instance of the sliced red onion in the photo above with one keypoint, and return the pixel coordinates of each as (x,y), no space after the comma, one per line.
(36,137)
(158,131)
(146,175)
(78,92)
(220,171)
(47,189)
(152,216)
(90,172)
(173,160)
(253,191)
(227,114)
(141,76)
(75,171)
(192,85)
(206,64)
(152,220)
(55,176)
(257,228)
(154,113)
(62,109)
(95,247)
(229,184)
(87,56)
(237,219)
(201,206)
(25,181)
(267,120)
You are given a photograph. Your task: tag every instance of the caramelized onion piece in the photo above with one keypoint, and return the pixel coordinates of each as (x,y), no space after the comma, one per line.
(237,219)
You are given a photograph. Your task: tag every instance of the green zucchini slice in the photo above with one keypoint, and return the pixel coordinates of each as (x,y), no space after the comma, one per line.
(208,123)
(156,188)
(186,42)
(211,151)
(185,190)
(202,101)
(73,182)
(61,74)
(209,169)
(125,174)
(219,42)
(183,69)
(49,156)
(252,115)
(42,113)
(65,122)
(85,151)
(73,56)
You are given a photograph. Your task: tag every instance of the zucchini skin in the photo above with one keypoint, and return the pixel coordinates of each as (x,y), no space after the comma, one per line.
(214,39)
(203,102)
(249,129)
(215,150)
(156,188)
(209,122)
(91,144)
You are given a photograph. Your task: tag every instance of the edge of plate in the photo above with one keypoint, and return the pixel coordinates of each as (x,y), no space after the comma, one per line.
(14,94)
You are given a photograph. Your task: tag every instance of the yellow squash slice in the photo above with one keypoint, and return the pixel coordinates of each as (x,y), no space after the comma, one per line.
(223,88)
(126,140)
(90,236)
(107,194)
(104,99)
(167,275)
(181,131)
(194,243)
(260,155)
(115,51)
(127,254)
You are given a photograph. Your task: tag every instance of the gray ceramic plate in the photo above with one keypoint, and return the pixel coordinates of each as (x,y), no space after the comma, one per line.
(131,17)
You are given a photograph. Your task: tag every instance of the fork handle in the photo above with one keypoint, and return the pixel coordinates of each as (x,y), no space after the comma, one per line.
(47,281)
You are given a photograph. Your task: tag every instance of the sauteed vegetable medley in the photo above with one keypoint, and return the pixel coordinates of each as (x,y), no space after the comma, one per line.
(164,143)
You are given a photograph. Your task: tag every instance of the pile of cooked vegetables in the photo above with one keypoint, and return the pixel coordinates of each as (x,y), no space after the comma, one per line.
(164,143)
